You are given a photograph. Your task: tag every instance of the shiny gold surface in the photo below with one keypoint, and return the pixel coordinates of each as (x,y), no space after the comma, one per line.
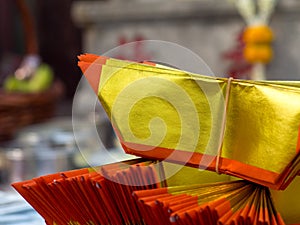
(262,125)
(287,202)
(183,175)
(178,110)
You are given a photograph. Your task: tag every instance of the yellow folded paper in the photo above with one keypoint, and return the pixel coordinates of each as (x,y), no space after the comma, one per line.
(287,202)
(248,129)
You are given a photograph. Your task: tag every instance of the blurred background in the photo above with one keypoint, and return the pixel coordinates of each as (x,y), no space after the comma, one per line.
(39,44)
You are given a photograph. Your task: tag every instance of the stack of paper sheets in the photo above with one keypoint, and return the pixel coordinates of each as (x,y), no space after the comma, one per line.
(135,192)
(238,202)
(85,196)
(248,129)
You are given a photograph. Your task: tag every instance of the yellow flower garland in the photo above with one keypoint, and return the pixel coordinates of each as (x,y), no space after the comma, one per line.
(258,41)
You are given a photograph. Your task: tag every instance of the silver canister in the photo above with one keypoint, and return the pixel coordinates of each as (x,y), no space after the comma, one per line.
(20,164)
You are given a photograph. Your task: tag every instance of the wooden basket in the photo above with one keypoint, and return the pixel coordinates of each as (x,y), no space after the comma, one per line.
(18,109)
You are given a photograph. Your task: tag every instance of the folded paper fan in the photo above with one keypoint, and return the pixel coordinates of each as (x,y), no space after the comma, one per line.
(235,202)
(137,192)
(93,195)
(248,129)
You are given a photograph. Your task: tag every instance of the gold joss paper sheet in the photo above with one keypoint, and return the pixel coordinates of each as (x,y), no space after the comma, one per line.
(248,129)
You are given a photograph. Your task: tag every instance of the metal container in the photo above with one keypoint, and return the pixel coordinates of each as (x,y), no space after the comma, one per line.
(50,161)
(38,150)
(20,164)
